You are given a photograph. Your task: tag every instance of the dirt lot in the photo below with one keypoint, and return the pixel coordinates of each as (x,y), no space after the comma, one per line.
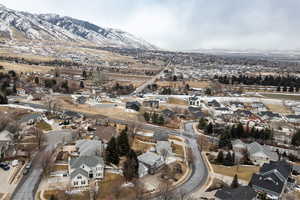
(141,146)
(243,172)
(279,108)
(25,68)
(180,84)
(282,96)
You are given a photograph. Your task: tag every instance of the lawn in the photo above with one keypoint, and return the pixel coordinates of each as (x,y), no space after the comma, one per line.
(243,172)
(60,168)
(279,108)
(177,101)
(43,126)
(140,146)
(178,149)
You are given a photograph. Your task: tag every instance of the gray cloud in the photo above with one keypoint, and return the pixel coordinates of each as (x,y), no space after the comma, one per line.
(187,24)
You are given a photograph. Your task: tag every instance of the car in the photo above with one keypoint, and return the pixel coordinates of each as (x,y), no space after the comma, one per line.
(297,187)
(25,171)
(28,166)
(4,166)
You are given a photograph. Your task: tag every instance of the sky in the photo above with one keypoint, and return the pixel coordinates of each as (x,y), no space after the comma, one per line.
(187,24)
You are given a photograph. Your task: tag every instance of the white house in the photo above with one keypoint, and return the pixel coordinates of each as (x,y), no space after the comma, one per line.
(236,105)
(222,111)
(85,169)
(194,101)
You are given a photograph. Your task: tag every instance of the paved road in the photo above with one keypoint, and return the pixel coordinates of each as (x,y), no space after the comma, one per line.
(28,185)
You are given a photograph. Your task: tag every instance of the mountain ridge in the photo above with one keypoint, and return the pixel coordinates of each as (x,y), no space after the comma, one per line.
(16,25)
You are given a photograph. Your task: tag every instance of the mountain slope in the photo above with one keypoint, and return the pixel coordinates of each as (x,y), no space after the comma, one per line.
(22,25)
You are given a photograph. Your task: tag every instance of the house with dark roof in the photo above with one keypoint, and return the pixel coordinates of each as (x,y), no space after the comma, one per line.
(133,105)
(195,112)
(235,105)
(271,116)
(293,118)
(272,179)
(83,169)
(243,113)
(214,103)
(241,193)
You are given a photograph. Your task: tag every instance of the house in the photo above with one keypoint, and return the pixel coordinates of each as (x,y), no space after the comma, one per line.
(214,103)
(168,114)
(196,112)
(83,169)
(21,92)
(272,179)
(194,101)
(259,107)
(160,136)
(236,105)
(134,105)
(243,113)
(222,111)
(241,193)
(293,118)
(81,100)
(270,116)
(151,103)
(143,170)
(164,148)
(69,115)
(152,161)
(259,154)
(89,147)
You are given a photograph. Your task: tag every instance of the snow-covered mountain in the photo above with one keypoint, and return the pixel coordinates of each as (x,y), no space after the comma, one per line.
(18,25)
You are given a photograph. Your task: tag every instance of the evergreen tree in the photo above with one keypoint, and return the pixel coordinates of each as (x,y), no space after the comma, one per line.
(81,84)
(202,123)
(225,139)
(296,139)
(84,74)
(123,143)
(161,120)
(3,99)
(228,159)
(36,80)
(220,157)
(111,154)
(147,116)
(209,129)
(131,166)
(278,89)
(235,182)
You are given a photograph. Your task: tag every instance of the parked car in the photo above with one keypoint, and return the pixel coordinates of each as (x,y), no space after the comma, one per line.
(28,166)
(4,166)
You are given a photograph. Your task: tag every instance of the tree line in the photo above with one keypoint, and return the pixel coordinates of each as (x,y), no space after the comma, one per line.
(154,118)
(283,83)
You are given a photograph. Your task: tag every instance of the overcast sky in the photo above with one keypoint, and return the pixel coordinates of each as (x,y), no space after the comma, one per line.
(187,24)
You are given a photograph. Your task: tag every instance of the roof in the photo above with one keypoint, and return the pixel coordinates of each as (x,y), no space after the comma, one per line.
(293,116)
(5,136)
(254,148)
(168,113)
(149,158)
(269,182)
(236,103)
(222,108)
(28,117)
(72,114)
(89,147)
(272,176)
(242,193)
(163,145)
(79,171)
(239,143)
(269,114)
(243,112)
(282,166)
(90,161)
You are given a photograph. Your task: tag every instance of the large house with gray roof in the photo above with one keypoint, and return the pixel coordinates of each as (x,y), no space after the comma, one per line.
(272,179)
(259,154)
(83,169)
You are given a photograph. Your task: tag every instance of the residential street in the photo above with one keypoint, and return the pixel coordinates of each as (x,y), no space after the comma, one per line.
(29,183)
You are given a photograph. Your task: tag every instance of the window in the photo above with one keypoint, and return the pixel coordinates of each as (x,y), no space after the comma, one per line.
(79,177)
(83,182)
(75,183)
